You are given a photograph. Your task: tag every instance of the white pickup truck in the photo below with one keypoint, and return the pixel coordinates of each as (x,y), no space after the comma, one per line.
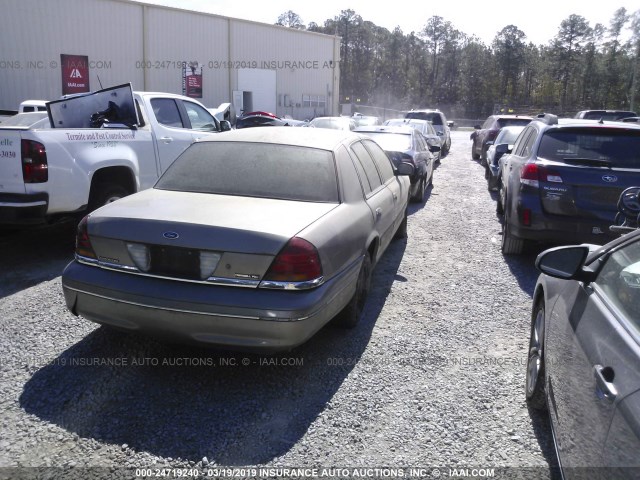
(89,150)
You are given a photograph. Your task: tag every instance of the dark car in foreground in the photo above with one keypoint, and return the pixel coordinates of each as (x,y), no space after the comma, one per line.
(583,363)
(488,131)
(406,144)
(562,181)
(497,148)
(260,119)
(253,242)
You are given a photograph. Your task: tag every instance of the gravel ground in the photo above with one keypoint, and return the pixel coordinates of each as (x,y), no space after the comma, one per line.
(432,377)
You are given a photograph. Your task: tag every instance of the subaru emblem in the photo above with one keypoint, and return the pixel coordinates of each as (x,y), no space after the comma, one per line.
(610,178)
(170,235)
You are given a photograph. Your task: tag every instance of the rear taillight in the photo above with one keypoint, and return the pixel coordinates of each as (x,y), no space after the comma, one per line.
(298,261)
(83,244)
(34,162)
(532,175)
(529,175)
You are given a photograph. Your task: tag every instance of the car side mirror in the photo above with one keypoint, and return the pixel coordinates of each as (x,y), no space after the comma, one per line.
(503,148)
(225,125)
(566,263)
(405,168)
(434,148)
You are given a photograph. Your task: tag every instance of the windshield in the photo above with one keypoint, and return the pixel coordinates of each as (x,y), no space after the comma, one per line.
(254,170)
(433,117)
(391,142)
(618,147)
(508,135)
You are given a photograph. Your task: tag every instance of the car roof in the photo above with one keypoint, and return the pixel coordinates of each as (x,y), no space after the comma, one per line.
(507,116)
(584,122)
(403,129)
(321,138)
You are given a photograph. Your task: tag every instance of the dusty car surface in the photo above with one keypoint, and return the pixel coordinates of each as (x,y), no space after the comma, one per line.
(584,355)
(252,242)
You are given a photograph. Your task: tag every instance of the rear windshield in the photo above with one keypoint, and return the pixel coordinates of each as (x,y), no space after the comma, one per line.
(619,147)
(507,122)
(254,170)
(391,142)
(433,117)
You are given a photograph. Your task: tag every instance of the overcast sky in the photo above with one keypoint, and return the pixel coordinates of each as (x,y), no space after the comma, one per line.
(539,20)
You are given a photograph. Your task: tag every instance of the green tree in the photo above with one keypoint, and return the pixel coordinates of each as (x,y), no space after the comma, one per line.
(291,19)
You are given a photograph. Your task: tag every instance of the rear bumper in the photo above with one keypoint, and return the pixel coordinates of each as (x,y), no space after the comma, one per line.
(240,318)
(560,229)
(23,209)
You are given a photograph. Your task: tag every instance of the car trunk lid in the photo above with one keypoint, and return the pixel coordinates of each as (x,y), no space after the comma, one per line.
(198,236)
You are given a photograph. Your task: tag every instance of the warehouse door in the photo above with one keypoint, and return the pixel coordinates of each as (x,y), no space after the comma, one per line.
(262,85)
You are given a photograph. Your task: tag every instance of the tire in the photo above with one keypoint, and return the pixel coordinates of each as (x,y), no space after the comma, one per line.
(474,155)
(402,229)
(499,204)
(350,315)
(419,196)
(105,193)
(510,244)
(535,377)
(483,160)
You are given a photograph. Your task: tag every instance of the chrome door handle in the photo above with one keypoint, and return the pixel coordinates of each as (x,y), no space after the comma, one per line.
(395,196)
(166,139)
(604,380)
(378,212)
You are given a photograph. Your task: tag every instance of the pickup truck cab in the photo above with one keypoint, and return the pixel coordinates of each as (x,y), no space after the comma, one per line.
(89,150)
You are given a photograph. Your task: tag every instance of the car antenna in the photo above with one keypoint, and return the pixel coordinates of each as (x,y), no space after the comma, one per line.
(99,82)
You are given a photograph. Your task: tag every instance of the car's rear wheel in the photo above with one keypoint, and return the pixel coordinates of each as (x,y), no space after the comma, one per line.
(474,155)
(510,245)
(350,315)
(105,193)
(535,377)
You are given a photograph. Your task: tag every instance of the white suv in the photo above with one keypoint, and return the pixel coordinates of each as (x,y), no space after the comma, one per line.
(439,121)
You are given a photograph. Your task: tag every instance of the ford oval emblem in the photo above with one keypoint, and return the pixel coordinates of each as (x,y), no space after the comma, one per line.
(610,178)
(170,235)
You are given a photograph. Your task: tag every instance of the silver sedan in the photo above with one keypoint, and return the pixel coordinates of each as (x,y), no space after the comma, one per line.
(254,239)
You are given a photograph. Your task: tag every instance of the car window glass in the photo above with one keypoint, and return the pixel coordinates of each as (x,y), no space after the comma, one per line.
(487,123)
(367,163)
(200,119)
(420,146)
(257,170)
(617,147)
(166,112)
(381,159)
(619,279)
(361,173)
(520,145)
(528,145)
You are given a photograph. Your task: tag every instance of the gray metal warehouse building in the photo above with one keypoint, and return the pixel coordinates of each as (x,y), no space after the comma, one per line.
(52,48)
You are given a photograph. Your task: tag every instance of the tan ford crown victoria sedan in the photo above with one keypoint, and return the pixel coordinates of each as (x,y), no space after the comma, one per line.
(254,239)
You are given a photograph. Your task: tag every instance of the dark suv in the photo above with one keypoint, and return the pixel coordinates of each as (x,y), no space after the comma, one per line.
(562,181)
(489,131)
(440,125)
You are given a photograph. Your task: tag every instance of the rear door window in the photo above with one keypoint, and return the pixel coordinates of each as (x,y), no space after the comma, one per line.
(368,165)
(166,112)
(381,160)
